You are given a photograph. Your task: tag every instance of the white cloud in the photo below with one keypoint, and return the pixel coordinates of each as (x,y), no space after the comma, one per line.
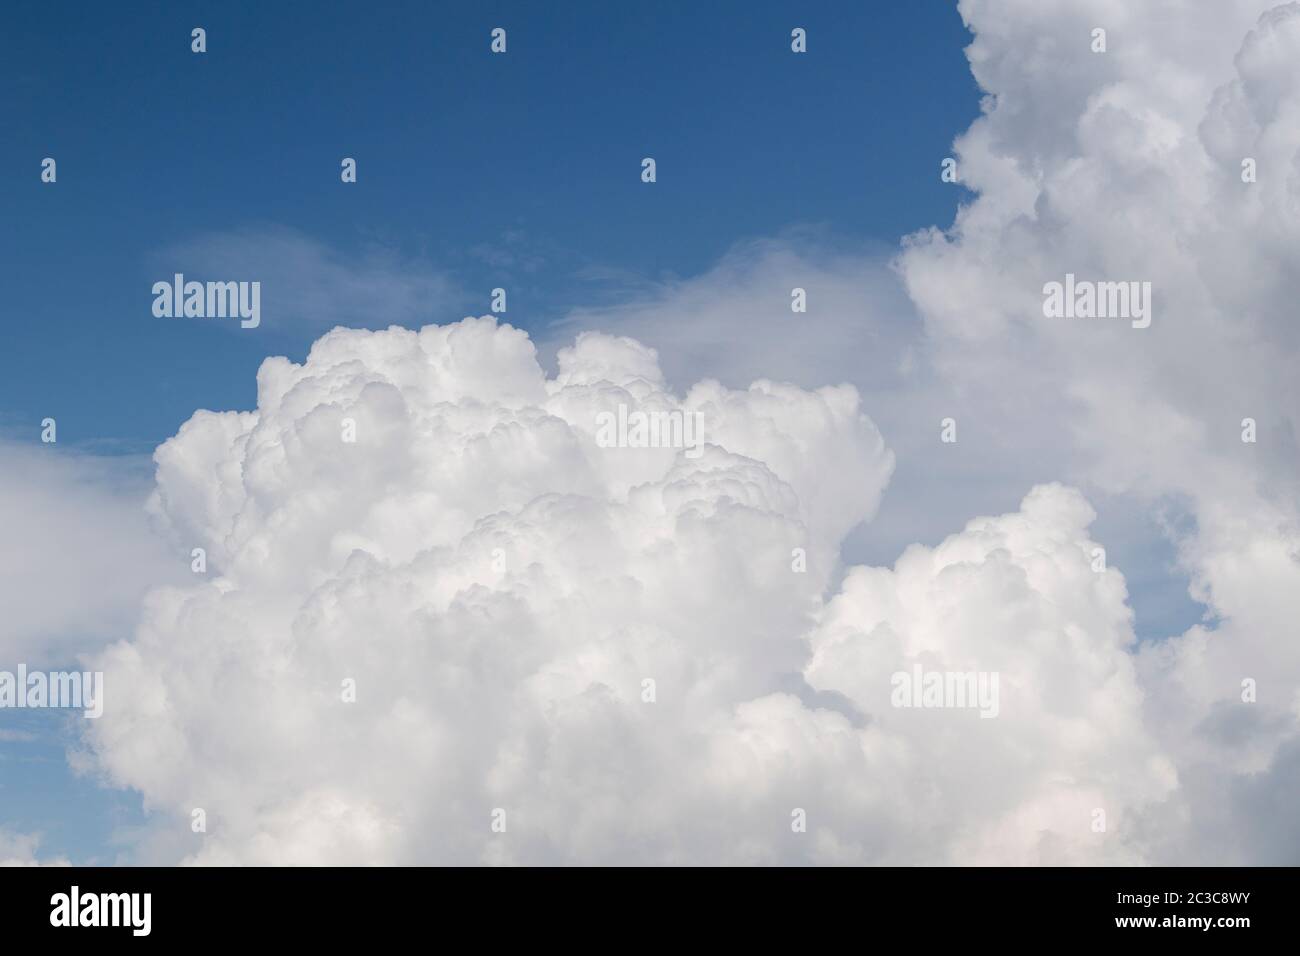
(521,688)
(735,321)
(1127,165)
(310,286)
(1018,596)
(374,561)
(19,849)
(79,552)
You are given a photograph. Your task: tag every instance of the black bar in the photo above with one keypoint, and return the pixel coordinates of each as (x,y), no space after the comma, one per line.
(613,908)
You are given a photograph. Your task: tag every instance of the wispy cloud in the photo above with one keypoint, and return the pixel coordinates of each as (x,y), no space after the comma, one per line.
(79,551)
(308,285)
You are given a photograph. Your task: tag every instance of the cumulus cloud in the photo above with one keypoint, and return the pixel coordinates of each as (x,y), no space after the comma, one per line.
(79,554)
(485,571)
(500,587)
(1128,165)
(19,849)
(734,322)
(1019,596)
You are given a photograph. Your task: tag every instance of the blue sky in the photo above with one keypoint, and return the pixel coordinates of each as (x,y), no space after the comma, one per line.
(475,171)
(774,170)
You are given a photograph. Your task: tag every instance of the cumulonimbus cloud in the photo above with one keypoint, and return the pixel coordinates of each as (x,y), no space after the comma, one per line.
(1171,158)
(500,587)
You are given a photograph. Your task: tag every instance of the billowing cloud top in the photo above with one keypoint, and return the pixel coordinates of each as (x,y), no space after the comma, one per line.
(651,654)
(496,583)
(499,588)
